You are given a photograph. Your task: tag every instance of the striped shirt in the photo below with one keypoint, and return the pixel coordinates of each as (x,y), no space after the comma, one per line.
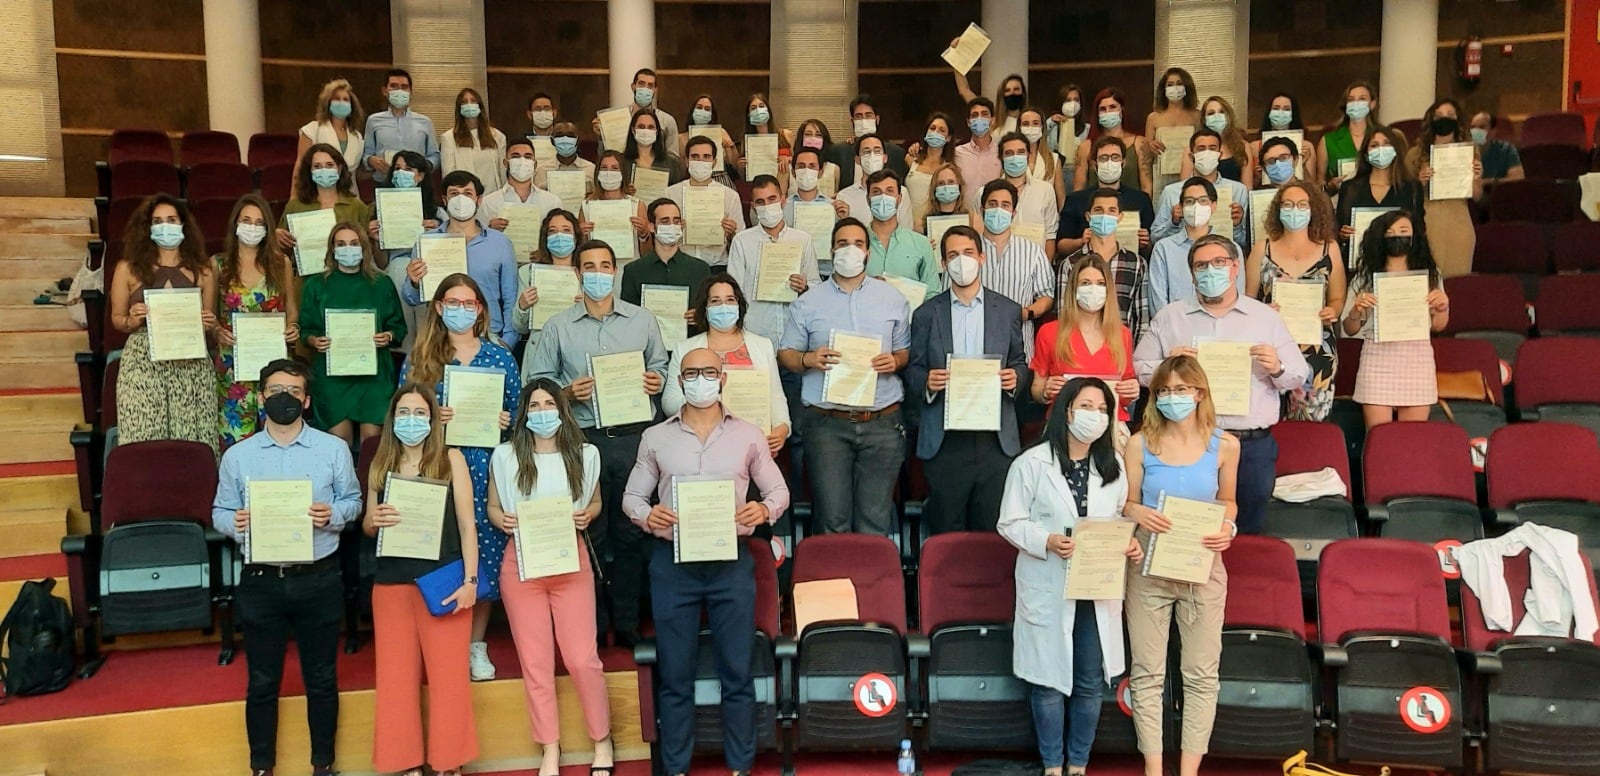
(1128,271)
(1020,273)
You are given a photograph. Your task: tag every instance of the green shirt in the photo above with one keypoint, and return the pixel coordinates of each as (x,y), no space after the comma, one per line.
(683,270)
(908,255)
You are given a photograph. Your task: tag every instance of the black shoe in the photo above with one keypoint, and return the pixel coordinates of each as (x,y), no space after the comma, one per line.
(323,770)
(260,772)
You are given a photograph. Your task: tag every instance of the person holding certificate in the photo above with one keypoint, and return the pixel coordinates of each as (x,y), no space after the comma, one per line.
(473,144)
(304,597)
(1397,380)
(354,374)
(253,276)
(843,156)
(854,201)
(1043,164)
(547,460)
(646,149)
(1015,268)
(815,135)
(1087,338)
(1106,160)
(1180,425)
(455,333)
(558,242)
(337,122)
(894,249)
(1008,101)
(565,142)
(1176,103)
(946,197)
(1280,160)
(576,345)
(1127,269)
(668,264)
(1205,148)
(718,306)
(929,156)
(712,212)
(519,189)
(1300,247)
(607,185)
(542,115)
(1066,649)
(162,398)
(324,183)
(979,157)
(490,260)
(703,447)
(1263,361)
(859,328)
(1499,158)
(397,129)
(406,635)
(1283,115)
(1381,180)
(965,468)
(761,121)
(1343,146)
(1171,280)
(1109,107)
(1037,205)
(805,186)
(1446,142)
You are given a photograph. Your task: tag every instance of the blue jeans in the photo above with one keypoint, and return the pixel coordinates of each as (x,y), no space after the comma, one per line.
(1057,717)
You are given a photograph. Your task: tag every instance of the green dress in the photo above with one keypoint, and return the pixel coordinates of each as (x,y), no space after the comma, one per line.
(1340,146)
(358,399)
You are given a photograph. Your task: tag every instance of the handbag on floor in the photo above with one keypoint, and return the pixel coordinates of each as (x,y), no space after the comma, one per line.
(1297,766)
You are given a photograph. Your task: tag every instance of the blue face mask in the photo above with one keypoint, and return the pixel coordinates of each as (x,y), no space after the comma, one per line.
(883,207)
(1279,119)
(759,116)
(411,429)
(643,97)
(166,235)
(1014,166)
(470,110)
(1217,122)
(1480,136)
(597,285)
(560,244)
(1175,408)
(979,125)
(459,320)
(1279,171)
(347,255)
(1357,109)
(1211,282)
(1110,120)
(325,177)
(933,140)
(723,317)
(1103,224)
(947,193)
(701,116)
(565,146)
(543,423)
(403,179)
(339,109)
(1294,219)
(996,220)
(1381,157)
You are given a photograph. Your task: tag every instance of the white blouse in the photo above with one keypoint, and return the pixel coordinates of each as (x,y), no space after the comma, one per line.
(486,163)
(552,479)
(351,148)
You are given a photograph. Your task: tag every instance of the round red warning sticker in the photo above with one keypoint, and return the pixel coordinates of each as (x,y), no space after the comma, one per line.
(1446,550)
(1125,697)
(875,695)
(1424,710)
(777,551)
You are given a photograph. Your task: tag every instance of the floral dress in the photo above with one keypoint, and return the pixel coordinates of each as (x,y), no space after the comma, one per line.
(239,407)
(1314,400)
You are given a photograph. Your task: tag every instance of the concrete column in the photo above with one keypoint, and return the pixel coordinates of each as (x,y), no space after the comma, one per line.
(811,81)
(631,35)
(1006,21)
(1409,62)
(233,68)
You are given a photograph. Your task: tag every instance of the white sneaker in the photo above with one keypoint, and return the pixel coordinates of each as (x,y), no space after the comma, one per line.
(482,669)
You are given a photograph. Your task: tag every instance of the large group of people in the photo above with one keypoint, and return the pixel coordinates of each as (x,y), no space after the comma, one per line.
(1083,264)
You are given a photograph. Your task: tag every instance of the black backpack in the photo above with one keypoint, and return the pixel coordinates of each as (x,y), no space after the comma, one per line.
(997,768)
(38,634)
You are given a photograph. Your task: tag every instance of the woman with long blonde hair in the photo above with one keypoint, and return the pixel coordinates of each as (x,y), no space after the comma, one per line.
(1043,165)
(336,123)
(1179,452)
(455,332)
(1238,160)
(473,144)
(253,276)
(947,196)
(1087,339)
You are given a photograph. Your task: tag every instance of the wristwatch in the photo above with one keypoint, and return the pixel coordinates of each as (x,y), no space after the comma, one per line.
(1233,529)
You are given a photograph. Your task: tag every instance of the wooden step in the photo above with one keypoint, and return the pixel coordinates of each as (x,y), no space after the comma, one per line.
(41,271)
(37,427)
(23,290)
(43,246)
(31,371)
(26,225)
(45,491)
(46,207)
(35,317)
(43,344)
(35,531)
(10,588)
(32,409)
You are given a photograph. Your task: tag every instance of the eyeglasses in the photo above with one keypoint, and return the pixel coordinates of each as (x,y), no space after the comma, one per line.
(1296,206)
(690,373)
(1221,263)
(456,304)
(1107,158)
(293,390)
(1188,201)
(1176,390)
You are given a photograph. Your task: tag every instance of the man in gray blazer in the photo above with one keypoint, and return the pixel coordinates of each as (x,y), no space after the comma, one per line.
(966,470)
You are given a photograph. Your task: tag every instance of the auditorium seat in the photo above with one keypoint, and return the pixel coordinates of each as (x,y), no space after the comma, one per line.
(157,565)
(276,181)
(1554,128)
(270,148)
(1535,201)
(1410,129)
(1575,247)
(1558,379)
(1545,473)
(132,145)
(139,179)
(1419,483)
(211,215)
(1539,696)
(1266,699)
(1569,305)
(1479,418)
(972,701)
(1491,308)
(1346,413)
(357,551)
(1305,446)
(1556,161)
(1385,626)
(218,180)
(1509,248)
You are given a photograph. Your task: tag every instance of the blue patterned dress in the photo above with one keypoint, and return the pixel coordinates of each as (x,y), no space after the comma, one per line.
(491,540)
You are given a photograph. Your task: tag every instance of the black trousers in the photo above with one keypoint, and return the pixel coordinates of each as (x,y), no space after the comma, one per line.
(310,605)
(617,541)
(966,480)
(1258,465)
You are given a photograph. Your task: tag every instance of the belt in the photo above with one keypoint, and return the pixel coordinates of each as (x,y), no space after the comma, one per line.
(1247,434)
(612,432)
(298,569)
(857,416)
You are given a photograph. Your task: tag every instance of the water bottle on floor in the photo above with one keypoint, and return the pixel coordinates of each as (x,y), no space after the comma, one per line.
(907,764)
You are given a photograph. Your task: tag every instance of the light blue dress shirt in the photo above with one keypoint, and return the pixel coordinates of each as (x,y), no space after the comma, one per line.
(409,131)
(1163,226)
(966,324)
(492,263)
(1170,278)
(314,455)
(874,308)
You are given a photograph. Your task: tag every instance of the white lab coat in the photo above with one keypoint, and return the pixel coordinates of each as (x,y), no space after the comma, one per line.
(1557,598)
(1037,503)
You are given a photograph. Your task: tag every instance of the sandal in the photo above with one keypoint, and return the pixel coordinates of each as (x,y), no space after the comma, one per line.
(547,749)
(604,769)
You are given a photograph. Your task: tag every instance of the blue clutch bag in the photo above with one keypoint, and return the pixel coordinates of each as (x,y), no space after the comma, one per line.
(440,583)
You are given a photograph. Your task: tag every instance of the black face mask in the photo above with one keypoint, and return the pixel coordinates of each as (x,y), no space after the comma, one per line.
(1013,102)
(1397,246)
(1445,125)
(283,408)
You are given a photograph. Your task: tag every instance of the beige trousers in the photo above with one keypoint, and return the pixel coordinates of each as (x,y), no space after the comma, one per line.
(1150,607)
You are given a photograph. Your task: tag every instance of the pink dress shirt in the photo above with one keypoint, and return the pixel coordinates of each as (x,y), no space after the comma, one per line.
(734,449)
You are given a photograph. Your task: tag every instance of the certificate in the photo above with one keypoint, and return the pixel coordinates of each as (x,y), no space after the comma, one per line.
(351,351)
(1098,568)
(399,217)
(1260,206)
(280,521)
(1178,554)
(547,539)
(1176,139)
(824,600)
(747,395)
(476,395)
(1589,194)
(619,395)
(1360,219)
(713,131)
(176,333)
(667,304)
(257,341)
(420,504)
(778,262)
(1222,215)
(937,226)
(649,184)
(1067,138)
(852,382)
(1402,312)
(1347,168)
(311,230)
(1227,366)
(523,221)
(614,127)
(1128,231)
(706,530)
(760,155)
(544,149)
(969,47)
(1452,170)
(612,223)
(913,290)
(557,286)
(972,397)
(1300,303)
(702,215)
(445,255)
(569,186)
(816,219)
(1030,232)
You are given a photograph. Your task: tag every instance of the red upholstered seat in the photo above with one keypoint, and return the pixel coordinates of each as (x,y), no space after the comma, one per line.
(1380,585)
(1539,201)
(1554,128)
(1576,247)
(1568,304)
(218,180)
(148,145)
(965,577)
(871,563)
(1263,585)
(1476,634)
(1306,446)
(1543,461)
(160,480)
(208,147)
(1417,459)
(1558,370)
(143,178)
(1514,247)
(269,148)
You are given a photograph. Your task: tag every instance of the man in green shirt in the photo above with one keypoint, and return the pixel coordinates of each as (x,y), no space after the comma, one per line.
(666,265)
(894,249)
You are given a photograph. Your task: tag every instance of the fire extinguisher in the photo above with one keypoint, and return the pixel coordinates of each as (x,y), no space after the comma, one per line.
(1469,61)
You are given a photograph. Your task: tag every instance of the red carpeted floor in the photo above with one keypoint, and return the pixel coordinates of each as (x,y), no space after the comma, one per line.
(935,765)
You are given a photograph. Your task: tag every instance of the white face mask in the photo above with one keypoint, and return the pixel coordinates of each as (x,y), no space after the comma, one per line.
(849,261)
(644,137)
(610,180)
(462,207)
(1032,133)
(1088,425)
(864,127)
(1091,298)
(1070,108)
(1176,93)
(702,392)
(543,119)
(520,169)
(871,163)
(700,171)
(250,234)
(1197,215)
(962,270)
(769,215)
(806,179)
(1205,162)
(669,234)
(1109,173)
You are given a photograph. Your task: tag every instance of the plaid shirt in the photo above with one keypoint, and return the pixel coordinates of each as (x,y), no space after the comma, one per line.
(1128,274)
